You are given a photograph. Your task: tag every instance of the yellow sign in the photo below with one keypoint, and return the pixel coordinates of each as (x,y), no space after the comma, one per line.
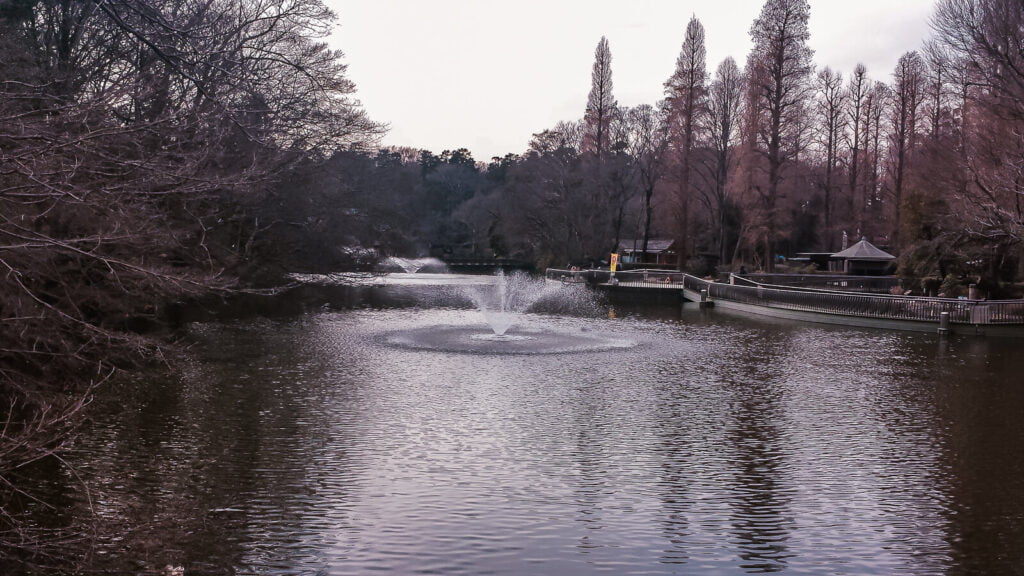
(614,262)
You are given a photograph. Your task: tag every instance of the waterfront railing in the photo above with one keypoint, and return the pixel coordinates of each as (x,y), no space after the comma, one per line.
(837,282)
(806,299)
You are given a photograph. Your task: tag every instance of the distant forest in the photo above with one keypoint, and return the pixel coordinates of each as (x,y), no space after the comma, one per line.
(738,166)
(156,151)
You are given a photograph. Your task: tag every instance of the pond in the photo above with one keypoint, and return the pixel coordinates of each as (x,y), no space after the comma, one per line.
(700,443)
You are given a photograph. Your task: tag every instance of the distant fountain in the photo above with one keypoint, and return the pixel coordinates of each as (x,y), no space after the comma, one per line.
(411,265)
(407,266)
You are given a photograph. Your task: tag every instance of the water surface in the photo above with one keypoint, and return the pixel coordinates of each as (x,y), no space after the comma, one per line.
(715,445)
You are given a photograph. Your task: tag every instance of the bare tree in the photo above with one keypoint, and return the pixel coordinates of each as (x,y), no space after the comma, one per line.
(648,143)
(725,99)
(908,82)
(550,205)
(938,76)
(621,176)
(779,69)
(986,37)
(856,94)
(876,105)
(686,107)
(830,105)
(135,138)
(565,135)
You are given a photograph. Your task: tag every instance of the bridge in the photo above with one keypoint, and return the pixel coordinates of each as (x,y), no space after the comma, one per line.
(833,305)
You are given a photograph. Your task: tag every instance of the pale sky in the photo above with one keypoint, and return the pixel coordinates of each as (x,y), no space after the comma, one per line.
(487,74)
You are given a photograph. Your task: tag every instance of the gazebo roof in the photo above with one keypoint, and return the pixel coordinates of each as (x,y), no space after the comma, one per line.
(863,250)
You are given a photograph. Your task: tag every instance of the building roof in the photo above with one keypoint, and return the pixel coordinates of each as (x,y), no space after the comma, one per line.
(654,245)
(863,250)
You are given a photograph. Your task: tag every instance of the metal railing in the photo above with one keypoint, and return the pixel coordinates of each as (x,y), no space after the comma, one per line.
(838,282)
(888,307)
(817,300)
(642,278)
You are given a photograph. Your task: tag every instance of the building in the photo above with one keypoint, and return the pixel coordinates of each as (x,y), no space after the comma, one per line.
(660,252)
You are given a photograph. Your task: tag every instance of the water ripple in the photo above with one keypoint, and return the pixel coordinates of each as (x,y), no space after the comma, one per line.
(716,447)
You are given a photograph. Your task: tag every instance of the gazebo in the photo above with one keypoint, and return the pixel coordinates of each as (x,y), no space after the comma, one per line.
(862,259)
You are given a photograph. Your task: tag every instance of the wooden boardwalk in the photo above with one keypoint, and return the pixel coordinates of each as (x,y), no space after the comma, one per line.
(989,317)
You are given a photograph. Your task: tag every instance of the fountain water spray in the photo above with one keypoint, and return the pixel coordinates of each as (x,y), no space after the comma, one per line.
(411,265)
(504,301)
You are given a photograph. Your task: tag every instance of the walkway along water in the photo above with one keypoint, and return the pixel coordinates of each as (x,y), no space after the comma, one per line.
(943,315)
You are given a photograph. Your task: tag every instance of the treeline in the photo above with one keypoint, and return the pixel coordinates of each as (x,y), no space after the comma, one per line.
(749,162)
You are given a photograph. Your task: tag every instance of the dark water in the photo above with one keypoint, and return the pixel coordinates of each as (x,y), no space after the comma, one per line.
(716,445)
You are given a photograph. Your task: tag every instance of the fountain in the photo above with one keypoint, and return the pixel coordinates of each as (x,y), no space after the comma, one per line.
(508,298)
(504,302)
(410,265)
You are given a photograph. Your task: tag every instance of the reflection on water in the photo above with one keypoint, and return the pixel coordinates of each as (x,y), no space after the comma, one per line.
(716,445)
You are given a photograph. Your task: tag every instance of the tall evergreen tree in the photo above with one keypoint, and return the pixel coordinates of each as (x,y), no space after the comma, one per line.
(601,105)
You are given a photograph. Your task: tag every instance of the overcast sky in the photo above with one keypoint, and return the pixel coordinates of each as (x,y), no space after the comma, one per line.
(487,74)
